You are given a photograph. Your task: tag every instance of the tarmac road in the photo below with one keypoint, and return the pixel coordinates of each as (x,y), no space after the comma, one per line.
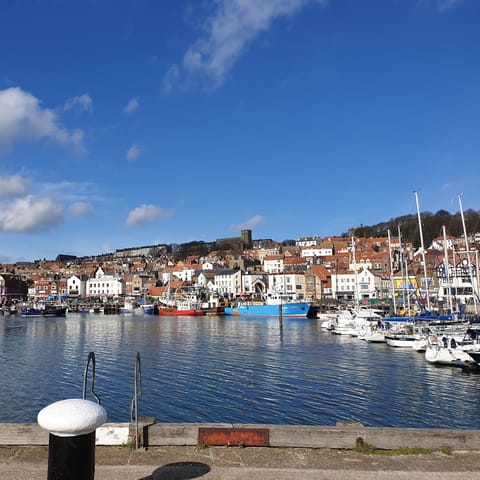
(234,463)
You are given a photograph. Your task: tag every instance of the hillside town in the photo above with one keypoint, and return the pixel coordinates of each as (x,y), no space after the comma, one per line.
(324,270)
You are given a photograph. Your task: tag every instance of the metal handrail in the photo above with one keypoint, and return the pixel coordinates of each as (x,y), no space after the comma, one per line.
(91,358)
(136,394)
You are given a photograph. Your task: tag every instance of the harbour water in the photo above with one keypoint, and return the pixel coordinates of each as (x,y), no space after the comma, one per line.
(228,369)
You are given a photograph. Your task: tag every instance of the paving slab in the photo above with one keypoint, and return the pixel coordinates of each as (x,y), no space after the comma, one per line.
(235,463)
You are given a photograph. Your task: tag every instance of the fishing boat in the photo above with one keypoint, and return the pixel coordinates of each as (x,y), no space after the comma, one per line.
(148,309)
(44,310)
(85,310)
(128,308)
(137,307)
(184,308)
(273,305)
(181,303)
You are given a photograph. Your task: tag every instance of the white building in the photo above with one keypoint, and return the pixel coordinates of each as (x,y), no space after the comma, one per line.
(228,282)
(266,252)
(287,283)
(273,264)
(460,283)
(310,252)
(76,287)
(104,285)
(206,279)
(362,264)
(254,283)
(308,241)
(361,286)
(185,274)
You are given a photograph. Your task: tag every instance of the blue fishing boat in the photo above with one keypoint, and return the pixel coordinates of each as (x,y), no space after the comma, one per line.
(44,311)
(148,309)
(273,305)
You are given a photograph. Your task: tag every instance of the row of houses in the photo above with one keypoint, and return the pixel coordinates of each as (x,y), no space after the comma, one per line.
(355,269)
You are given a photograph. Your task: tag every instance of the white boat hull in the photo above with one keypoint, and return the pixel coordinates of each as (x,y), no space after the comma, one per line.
(400,342)
(375,337)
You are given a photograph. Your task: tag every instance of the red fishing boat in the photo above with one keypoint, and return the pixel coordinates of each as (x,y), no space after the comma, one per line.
(178,310)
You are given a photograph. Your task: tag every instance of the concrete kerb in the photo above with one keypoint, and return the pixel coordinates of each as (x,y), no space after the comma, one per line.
(187,434)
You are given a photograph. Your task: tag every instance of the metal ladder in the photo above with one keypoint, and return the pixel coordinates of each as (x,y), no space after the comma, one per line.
(134,403)
(91,358)
(137,391)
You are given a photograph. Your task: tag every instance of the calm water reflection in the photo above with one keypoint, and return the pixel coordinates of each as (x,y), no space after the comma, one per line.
(215,369)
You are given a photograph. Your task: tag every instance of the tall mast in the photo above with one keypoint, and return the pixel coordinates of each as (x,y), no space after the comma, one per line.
(455,276)
(470,274)
(402,268)
(446,265)
(427,294)
(408,286)
(391,273)
(357,302)
(476,270)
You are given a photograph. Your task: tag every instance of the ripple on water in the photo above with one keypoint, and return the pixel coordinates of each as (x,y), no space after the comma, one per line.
(216,369)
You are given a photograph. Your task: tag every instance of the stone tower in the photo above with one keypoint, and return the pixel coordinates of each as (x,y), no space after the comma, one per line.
(247,238)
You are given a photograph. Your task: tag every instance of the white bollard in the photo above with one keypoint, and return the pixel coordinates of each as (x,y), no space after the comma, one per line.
(71,424)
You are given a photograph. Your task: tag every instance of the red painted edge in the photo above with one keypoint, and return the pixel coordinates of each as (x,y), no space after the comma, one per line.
(247,437)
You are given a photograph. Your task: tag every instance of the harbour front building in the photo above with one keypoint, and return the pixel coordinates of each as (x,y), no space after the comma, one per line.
(103,285)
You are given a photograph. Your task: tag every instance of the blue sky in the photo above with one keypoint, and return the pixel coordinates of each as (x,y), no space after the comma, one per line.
(129,123)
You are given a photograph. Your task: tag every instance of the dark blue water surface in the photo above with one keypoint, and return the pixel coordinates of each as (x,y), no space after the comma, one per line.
(228,369)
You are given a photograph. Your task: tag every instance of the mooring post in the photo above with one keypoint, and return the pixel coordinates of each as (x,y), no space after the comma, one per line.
(71,424)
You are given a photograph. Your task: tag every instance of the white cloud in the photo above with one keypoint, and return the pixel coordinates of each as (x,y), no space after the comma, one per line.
(81,209)
(249,224)
(83,102)
(71,192)
(441,6)
(145,214)
(30,214)
(43,209)
(229,31)
(133,153)
(444,5)
(131,106)
(76,138)
(22,117)
(12,186)
(170,79)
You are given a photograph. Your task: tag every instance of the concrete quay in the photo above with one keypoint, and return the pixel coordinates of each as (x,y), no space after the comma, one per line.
(294,452)
(250,463)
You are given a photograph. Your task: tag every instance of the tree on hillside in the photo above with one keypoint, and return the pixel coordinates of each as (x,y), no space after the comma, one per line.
(432,226)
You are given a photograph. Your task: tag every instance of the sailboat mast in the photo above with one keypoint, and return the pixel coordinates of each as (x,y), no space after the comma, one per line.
(427,294)
(409,284)
(446,265)
(402,269)
(470,274)
(455,276)
(357,300)
(391,272)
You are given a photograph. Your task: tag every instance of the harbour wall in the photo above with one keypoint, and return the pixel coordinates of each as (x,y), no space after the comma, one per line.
(341,436)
